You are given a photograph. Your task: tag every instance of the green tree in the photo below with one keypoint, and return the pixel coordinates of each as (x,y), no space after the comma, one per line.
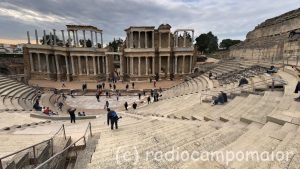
(115,44)
(207,43)
(226,43)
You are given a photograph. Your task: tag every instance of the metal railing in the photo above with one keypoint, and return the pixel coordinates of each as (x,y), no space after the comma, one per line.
(58,160)
(34,148)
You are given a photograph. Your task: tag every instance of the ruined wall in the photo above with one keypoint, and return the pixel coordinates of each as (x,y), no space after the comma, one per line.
(270,40)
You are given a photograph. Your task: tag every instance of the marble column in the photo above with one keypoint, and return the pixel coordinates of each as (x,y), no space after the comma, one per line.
(131,39)
(77,41)
(146,65)
(127,62)
(103,64)
(28,37)
(39,62)
(169,42)
(159,64)
(94,65)
(84,40)
(63,36)
(121,65)
(146,43)
(96,38)
(67,67)
(139,42)
(139,66)
(92,39)
(74,38)
(152,39)
(176,39)
(131,65)
(153,65)
(168,65)
(44,38)
(192,38)
(191,62)
(87,65)
(101,40)
(54,36)
(73,68)
(183,58)
(175,69)
(47,63)
(159,40)
(79,65)
(57,68)
(31,62)
(184,39)
(69,39)
(106,65)
(98,63)
(36,37)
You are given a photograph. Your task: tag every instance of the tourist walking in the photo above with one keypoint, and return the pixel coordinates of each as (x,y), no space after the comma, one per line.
(149,99)
(134,105)
(126,105)
(140,96)
(127,86)
(112,118)
(132,85)
(103,85)
(107,104)
(98,96)
(72,114)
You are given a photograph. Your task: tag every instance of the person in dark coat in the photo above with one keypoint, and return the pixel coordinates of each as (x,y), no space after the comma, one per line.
(107,104)
(113,118)
(296,90)
(148,99)
(224,96)
(243,81)
(140,96)
(72,114)
(132,85)
(126,105)
(103,85)
(98,96)
(127,86)
(210,75)
(134,105)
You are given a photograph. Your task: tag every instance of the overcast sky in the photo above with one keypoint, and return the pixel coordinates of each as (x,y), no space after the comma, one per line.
(225,18)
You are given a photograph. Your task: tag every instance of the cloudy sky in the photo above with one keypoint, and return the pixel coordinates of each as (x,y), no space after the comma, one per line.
(225,18)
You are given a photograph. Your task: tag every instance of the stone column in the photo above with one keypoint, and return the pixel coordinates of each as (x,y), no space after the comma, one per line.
(44,38)
(50,39)
(168,65)
(84,40)
(79,66)
(47,63)
(121,65)
(192,38)
(31,62)
(103,64)
(153,65)
(131,39)
(94,65)
(184,39)
(92,39)
(183,58)
(98,63)
(139,67)
(159,40)
(67,67)
(146,65)
(176,39)
(54,37)
(28,37)
(127,40)
(152,39)
(139,42)
(39,62)
(159,64)
(96,39)
(131,65)
(169,40)
(102,40)
(63,36)
(73,68)
(69,39)
(87,65)
(146,43)
(36,37)
(175,69)
(127,62)
(74,39)
(191,62)
(106,64)
(77,41)
(57,68)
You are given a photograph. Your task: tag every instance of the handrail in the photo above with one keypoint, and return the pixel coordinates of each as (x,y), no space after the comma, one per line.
(33,146)
(89,128)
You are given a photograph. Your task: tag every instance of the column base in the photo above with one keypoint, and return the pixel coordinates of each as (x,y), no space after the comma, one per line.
(68,77)
(58,77)
(48,76)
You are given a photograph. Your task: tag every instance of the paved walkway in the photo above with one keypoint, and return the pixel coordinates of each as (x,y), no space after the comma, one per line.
(91,85)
